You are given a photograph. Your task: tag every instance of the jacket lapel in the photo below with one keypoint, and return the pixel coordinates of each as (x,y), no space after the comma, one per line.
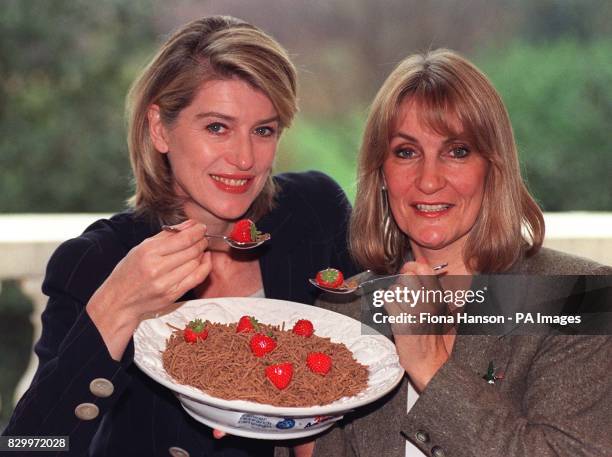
(276,260)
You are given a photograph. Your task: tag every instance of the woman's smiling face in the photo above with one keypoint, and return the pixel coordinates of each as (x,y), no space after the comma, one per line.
(221,148)
(435,183)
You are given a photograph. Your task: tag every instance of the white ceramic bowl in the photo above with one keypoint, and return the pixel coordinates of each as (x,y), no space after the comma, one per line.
(257,420)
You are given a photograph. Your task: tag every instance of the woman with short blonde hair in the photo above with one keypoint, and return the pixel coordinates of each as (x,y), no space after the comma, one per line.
(205,119)
(206,49)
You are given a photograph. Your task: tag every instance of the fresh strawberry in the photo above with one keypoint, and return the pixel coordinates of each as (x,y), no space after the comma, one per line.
(244,231)
(280,375)
(246,324)
(303,327)
(319,362)
(262,344)
(194,331)
(330,277)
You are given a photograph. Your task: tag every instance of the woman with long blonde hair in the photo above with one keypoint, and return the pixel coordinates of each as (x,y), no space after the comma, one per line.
(440,200)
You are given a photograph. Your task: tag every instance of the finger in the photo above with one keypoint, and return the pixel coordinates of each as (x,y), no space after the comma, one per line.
(392,308)
(175,242)
(416,268)
(199,274)
(170,262)
(167,286)
(420,278)
(218,434)
(423,272)
(409,268)
(408,275)
(175,283)
(186,277)
(167,230)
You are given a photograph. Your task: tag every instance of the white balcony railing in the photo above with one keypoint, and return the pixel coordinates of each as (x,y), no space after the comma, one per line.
(28,240)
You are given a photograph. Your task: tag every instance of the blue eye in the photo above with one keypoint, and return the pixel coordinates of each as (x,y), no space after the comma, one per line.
(404,153)
(460,152)
(265,131)
(216,128)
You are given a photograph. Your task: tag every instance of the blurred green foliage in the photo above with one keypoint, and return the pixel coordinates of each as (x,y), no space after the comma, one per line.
(65,67)
(330,146)
(559,96)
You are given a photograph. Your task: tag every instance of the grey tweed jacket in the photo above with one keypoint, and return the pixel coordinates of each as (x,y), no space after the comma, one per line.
(555,398)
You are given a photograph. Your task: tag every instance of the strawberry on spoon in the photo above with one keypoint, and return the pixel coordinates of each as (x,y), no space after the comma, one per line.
(244,235)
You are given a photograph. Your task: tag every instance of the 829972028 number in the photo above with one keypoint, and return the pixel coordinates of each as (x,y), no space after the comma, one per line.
(34,443)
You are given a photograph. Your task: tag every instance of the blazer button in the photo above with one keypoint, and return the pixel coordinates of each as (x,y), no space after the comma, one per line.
(86,411)
(101,387)
(176,451)
(437,451)
(422,436)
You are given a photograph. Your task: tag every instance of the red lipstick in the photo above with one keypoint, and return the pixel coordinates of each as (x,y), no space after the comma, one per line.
(232,183)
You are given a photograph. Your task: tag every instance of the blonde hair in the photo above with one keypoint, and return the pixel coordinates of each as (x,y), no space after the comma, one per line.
(443,84)
(217,47)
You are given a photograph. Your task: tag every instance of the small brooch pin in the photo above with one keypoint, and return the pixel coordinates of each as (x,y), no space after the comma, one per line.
(492,374)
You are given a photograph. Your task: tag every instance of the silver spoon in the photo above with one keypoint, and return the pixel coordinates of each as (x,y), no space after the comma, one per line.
(348,287)
(262,238)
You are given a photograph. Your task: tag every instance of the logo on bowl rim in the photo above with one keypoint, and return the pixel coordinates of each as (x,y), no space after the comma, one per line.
(286,424)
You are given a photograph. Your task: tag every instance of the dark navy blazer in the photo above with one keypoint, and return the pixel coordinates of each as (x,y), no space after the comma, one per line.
(142,418)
